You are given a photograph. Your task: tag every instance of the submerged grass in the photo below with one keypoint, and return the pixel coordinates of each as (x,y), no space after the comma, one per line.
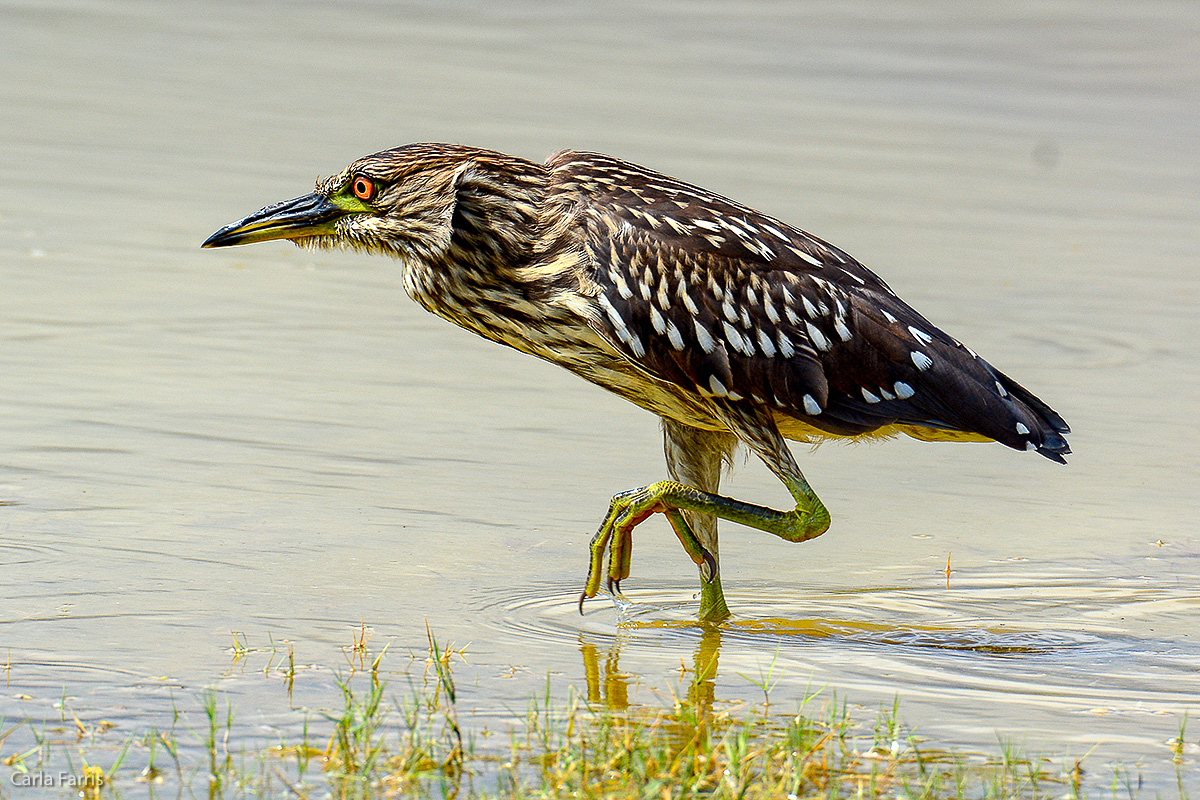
(380,744)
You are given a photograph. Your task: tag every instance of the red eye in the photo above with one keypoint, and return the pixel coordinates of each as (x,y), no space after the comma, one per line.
(364,187)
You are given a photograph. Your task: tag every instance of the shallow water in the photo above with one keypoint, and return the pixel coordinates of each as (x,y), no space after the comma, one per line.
(279,443)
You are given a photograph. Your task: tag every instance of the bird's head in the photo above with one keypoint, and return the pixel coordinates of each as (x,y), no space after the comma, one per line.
(401,202)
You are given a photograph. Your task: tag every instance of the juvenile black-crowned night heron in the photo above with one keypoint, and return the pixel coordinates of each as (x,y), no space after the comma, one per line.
(730,325)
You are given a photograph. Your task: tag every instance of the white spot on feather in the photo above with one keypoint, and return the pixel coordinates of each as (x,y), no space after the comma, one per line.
(769,308)
(656,319)
(811,405)
(1021,429)
(760,247)
(765,344)
(870,398)
(843,332)
(903,390)
(679,227)
(717,387)
(736,340)
(778,234)
(922,361)
(785,344)
(805,256)
(614,316)
(1030,446)
(688,303)
(664,300)
(809,308)
(703,337)
(920,335)
(673,336)
(999,388)
(818,339)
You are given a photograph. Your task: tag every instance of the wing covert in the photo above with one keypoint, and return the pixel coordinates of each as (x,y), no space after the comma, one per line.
(718,299)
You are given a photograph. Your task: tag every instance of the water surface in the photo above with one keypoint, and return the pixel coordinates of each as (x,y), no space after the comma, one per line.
(279,443)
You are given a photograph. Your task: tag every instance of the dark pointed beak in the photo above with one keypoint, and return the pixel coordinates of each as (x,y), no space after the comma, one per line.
(310,215)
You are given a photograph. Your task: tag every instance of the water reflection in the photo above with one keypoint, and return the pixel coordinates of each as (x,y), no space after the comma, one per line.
(608,684)
(1002,652)
(611,690)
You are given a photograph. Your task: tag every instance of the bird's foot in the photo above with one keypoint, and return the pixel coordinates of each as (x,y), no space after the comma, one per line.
(615,536)
(807,520)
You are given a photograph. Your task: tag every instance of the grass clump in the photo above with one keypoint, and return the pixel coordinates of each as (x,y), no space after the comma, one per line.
(592,746)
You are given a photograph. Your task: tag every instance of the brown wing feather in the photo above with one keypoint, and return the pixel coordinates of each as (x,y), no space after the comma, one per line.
(723,301)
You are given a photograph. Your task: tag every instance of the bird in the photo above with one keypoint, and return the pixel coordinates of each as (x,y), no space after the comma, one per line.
(733,327)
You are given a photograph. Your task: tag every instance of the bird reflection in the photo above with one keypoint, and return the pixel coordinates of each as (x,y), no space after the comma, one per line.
(611,689)
(613,693)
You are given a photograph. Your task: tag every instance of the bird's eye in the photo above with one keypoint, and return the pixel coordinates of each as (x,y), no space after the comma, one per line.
(363,187)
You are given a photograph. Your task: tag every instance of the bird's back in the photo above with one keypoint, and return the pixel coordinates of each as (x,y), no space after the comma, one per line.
(722,304)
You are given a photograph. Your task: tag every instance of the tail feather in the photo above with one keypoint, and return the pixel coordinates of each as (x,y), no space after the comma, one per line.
(1046,427)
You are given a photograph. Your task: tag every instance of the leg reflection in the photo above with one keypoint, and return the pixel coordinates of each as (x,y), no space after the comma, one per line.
(612,687)
(614,691)
(702,692)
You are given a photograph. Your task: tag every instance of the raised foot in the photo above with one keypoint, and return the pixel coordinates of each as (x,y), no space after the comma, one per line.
(808,520)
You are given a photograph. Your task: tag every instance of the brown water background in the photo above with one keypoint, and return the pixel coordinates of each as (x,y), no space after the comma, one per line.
(280,443)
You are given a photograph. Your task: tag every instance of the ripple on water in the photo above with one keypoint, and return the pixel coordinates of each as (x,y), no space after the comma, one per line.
(1087,348)
(1027,653)
(545,614)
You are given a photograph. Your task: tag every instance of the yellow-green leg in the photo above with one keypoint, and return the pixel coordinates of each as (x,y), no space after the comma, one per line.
(697,457)
(712,596)
(808,520)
